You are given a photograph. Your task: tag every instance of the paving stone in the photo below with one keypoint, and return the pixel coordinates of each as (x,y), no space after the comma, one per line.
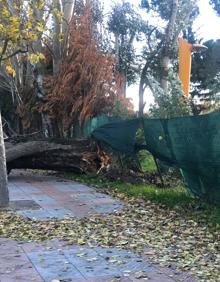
(38,247)
(60,213)
(8,241)
(64,245)
(23,205)
(151,277)
(46,214)
(95,197)
(21,277)
(93,263)
(86,197)
(14,265)
(40,214)
(60,197)
(99,269)
(53,265)
(79,209)
(82,188)
(110,252)
(72,187)
(28,188)
(8,246)
(18,196)
(44,200)
(45,188)
(108,279)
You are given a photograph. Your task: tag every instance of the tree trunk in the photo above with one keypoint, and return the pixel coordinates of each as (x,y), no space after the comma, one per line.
(68,8)
(165,72)
(4,196)
(141,100)
(142,87)
(56,42)
(61,155)
(169,42)
(38,79)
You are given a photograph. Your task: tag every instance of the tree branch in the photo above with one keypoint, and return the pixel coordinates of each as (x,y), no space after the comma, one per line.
(4,49)
(14,54)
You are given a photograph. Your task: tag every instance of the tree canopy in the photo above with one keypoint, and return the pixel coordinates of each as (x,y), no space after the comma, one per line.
(205,72)
(216,5)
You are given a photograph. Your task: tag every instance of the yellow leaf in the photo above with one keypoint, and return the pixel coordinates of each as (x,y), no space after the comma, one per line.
(35,58)
(80,242)
(10,70)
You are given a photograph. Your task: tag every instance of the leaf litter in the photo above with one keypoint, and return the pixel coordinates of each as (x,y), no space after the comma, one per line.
(165,236)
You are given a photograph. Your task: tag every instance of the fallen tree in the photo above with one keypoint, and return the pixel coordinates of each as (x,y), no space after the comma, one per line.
(54,154)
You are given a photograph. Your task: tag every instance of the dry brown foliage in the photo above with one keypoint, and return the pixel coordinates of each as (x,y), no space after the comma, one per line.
(86,85)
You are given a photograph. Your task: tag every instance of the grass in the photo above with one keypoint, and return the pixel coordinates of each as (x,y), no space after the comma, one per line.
(176,197)
(147,162)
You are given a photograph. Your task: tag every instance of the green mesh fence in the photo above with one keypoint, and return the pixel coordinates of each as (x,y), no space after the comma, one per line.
(190,143)
(91,124)
(96,122)
(120,136)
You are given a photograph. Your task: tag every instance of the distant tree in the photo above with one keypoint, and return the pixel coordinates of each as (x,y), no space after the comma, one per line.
(161,46)
(190,35)
(216,5)
(126,25)
(205,73)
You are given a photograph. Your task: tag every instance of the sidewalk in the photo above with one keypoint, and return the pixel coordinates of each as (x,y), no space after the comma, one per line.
(46,197)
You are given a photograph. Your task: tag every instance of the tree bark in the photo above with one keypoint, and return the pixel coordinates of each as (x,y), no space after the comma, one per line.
(142,87)
(38,73)
(68,8)
(169,42)
(4,195)
(57,26)
(61,155)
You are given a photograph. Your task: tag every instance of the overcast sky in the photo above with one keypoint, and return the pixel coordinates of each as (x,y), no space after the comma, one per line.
(207,23)
(207,26)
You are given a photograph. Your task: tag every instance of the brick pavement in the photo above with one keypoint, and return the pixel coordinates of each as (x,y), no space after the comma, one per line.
(45,197)
(58,198)
(55,260)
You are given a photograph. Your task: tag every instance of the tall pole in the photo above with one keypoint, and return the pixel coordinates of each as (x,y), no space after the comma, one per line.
(4,195)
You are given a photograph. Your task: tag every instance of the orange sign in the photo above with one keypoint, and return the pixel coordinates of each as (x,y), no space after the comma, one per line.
(185,60)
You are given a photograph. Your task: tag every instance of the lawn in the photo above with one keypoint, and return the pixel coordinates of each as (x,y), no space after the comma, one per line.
(177,196)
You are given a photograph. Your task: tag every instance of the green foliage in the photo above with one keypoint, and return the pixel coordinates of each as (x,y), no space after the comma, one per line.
(124,20)
(147,162)
(145,4)
(140,139)
(171,197)
(122,108)
(161,47)
(171,103)
(216,5)
(206,72)
(126,24)
(186,7)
